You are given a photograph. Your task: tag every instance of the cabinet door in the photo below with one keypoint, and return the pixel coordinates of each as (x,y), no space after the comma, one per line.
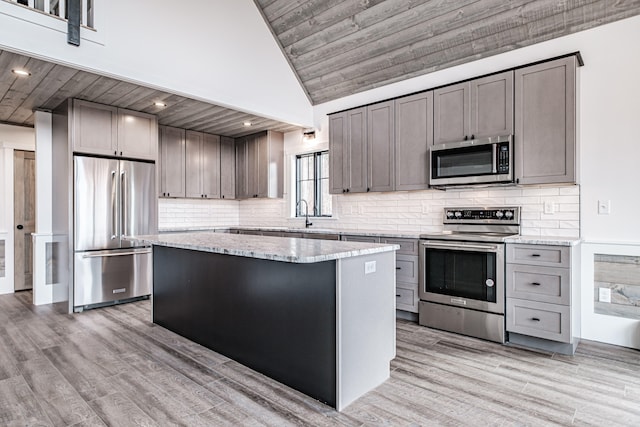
(492,105)
(544,150)
(337,141)
(451,113)
(95,128)
(380,146)
(137,133)
(211,166)
(242,187)
(261,172)
(354,165)
(172,141)
(252,166)
(227,168)
(414,136)
(193,164)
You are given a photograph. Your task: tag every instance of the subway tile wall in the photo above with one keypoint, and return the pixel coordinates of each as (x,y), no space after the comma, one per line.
(190,213)
(546,211)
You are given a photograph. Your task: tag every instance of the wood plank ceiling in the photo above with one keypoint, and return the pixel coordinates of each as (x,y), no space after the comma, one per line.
(50,84)
(340,47)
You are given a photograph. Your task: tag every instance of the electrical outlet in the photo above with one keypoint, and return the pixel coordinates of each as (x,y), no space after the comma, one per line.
(604,294)
(549,207)
(604,207)
(369,267)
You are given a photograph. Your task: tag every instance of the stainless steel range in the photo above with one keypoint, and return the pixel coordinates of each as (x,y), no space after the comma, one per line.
(462,272)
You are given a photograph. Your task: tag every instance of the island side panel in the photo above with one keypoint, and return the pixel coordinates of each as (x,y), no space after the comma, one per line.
(366,323)
(275,317)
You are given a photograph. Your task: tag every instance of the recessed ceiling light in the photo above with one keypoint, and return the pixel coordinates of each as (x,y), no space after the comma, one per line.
(247,124)
(159,104)
(19,72)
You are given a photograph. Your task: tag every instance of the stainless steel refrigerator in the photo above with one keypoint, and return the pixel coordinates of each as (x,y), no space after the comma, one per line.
(112,199)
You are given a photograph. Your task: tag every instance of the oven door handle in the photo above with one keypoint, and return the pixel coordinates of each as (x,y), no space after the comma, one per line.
(460,247)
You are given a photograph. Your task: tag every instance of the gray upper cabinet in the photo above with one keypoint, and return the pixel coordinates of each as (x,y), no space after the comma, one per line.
(172,161)
(474,109)
(95,128)
(414,135)
(348,151)
(380,146)
(545,122)
(137,135)
(259,165)
(227,168)
(110,131)
(202,171)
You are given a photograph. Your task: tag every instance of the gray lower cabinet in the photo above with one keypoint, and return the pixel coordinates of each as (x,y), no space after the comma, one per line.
(348,151)
(473,109)
(543,296)
(407,297)
(414,136)
(172,162)
(227,168)
(260,165)
(202,167)
(358,238)
(545,122)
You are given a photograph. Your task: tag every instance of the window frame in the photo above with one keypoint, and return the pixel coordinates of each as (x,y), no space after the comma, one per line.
(317,183)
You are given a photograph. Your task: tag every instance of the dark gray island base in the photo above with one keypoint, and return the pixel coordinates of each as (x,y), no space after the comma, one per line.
(277,318)
(315,315)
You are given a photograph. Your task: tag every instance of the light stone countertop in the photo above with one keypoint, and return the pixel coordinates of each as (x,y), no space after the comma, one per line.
(311,230)
(287,249)
(546,240)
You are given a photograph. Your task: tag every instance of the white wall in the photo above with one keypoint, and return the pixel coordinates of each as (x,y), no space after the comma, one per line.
(218,51)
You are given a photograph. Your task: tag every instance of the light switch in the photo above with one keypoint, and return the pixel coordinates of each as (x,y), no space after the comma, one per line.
(604,207)
(604,294)
(369,267)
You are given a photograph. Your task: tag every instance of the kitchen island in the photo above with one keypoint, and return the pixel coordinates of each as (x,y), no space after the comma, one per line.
(316,315)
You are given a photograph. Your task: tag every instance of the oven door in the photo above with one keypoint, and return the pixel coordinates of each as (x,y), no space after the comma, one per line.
(463,274)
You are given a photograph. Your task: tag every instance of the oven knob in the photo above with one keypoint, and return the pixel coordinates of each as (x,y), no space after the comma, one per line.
(449,214)
(508,214)
(458,214)
(499,214)
(489,282)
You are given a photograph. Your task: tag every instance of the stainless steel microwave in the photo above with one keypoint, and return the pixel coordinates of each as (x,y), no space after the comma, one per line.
(476,161)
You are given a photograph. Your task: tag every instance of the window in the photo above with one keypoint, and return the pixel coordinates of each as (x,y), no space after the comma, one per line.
(312,184)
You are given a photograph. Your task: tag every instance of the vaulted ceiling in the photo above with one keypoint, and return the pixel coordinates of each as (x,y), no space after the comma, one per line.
(340,47)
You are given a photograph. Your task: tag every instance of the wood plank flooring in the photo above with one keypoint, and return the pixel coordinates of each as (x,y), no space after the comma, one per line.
(112,366)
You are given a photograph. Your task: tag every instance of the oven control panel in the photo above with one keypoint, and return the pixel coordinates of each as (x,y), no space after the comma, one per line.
(499,215)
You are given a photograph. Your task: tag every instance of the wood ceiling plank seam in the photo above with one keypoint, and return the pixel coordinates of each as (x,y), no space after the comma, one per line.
(443,43)
(235,120)
(23,87)
(331,20)
(76,84)
(400,36)
(116,93)
(210,115)
(97,88)
(281,7)
(182,112)
(9,61)
(304,13)
(171,100)
(53,81)
(135,96)
(147,101)
(507,43)
(228,125)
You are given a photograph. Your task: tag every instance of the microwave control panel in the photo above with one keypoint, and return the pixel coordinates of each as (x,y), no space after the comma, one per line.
(503,159)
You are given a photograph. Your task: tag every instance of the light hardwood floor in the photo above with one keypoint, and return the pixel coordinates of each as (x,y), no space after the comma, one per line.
(111,366)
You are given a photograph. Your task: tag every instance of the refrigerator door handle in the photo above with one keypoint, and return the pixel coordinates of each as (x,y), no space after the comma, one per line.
(104,255)
(123,202)
(114,207)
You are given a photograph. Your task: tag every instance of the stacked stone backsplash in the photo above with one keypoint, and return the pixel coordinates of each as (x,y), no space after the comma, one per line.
(621,274)
(422,211)
(195,213)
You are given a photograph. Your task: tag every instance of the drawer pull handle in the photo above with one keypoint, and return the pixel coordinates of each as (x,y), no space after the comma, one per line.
(535,319)
(398,295)
(535,283)
(535,255)
(398,268)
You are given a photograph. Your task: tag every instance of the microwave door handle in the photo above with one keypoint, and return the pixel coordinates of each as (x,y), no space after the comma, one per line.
(494,156)
(460,247)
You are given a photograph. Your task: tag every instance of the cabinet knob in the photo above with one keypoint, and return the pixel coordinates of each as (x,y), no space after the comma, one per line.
(535,283)
(20,227)
(121,153)
(344,191)
(347,190)
(473,137)
(535,319)
(535,255)
(115,153)
(367,189)
(466,137)
(223,196)
(168,194)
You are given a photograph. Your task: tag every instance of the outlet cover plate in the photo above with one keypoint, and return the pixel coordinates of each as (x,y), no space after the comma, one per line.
(604,294)
(369,267)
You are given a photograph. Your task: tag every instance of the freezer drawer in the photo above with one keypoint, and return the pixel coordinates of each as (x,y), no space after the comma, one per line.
(107,276)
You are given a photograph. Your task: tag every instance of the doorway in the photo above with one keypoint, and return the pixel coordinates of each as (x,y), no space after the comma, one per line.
(24,206)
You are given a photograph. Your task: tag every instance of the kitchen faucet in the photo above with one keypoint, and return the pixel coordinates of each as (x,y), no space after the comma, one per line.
(307,224)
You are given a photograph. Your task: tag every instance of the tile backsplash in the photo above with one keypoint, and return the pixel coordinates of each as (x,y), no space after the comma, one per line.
(546,211)
(186,213)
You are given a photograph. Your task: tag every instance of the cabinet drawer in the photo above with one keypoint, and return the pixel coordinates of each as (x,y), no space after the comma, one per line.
(368,239)
(545,284)
(321,236)
(406,298)
(407,246)
(539,319)
(550,256)
(407,268)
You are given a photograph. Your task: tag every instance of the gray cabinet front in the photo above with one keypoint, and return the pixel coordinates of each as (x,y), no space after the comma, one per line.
(348,148)
(380,146)
(172,159)
(451,113)
(545,122)
(259,165)
(227,168)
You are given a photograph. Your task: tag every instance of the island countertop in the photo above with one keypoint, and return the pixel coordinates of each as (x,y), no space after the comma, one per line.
(286,249)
